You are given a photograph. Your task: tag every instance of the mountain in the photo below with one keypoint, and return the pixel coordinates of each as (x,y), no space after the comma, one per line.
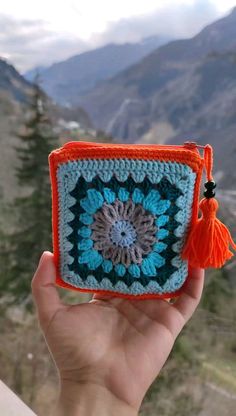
(14,87)
(15,94)
(131,102)
(66,81)
(185,89)
(12,82)
(31,74)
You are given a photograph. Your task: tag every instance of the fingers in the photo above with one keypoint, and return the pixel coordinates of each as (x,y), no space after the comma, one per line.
(101,296)
(44,290)
(190,298)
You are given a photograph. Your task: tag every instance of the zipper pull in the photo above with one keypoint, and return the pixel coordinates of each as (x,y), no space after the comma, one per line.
(195,145)
(190,144)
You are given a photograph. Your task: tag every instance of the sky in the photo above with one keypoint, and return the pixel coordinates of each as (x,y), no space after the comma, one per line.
(41,33)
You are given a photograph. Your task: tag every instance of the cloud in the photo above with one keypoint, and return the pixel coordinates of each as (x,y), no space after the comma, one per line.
(170,21)
(29,43)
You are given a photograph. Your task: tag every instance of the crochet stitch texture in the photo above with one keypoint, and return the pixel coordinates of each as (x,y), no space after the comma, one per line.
(122,223)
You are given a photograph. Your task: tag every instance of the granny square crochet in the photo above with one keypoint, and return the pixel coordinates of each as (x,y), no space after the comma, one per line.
(122,223)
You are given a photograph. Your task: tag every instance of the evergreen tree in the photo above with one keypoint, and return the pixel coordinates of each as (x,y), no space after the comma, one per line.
(32,208)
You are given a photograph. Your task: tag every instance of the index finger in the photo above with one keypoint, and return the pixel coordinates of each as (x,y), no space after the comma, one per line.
(191,296)
(44,290)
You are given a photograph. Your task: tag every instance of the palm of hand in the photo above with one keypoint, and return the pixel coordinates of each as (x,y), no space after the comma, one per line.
(117,343)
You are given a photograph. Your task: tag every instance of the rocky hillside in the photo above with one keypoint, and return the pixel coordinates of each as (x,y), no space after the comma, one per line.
(13,83)
(130,103)
(136,91)
(15,94)
(184,89)
(67,80)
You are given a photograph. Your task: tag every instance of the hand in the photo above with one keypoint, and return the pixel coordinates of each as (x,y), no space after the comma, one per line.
(108,351)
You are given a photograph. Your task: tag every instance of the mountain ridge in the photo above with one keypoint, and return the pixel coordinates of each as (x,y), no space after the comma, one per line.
(13,82)
(66,80)
(184,90)
(168,62)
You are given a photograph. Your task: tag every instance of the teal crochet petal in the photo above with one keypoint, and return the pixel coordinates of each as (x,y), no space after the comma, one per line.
(162,233)
(109,195)
(85,244)
(156,259)
(123,194)
(151,201)
(148,268)
(120,269)
(92,258)
(137,196)
(134,270)
(162,220)
(86,219)
(107,266)
(92,202)
(159,247)
(161,207)
(85,232)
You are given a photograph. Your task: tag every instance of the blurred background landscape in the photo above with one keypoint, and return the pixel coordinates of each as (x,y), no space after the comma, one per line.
(127,73)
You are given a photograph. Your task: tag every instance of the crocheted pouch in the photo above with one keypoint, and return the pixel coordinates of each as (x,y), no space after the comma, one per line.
(121,215)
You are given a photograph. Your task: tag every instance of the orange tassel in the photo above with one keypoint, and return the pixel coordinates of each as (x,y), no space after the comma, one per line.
(209,240)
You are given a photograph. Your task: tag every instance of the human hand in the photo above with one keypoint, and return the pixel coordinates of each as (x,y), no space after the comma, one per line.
(108,351)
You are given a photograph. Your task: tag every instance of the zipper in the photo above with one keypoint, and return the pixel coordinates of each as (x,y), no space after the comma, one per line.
(187,145)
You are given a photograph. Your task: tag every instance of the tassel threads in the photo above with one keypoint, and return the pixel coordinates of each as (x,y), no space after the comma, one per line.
(209,240)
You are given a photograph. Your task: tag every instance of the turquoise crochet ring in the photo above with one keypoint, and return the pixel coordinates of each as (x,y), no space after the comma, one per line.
(121,214)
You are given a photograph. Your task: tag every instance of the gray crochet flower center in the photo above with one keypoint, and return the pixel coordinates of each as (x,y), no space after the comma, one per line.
(123,232)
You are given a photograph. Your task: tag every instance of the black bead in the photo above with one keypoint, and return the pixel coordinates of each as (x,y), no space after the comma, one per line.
(210,185)
(209,194)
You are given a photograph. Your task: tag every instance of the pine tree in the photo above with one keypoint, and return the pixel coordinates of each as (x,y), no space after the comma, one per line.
(32,209)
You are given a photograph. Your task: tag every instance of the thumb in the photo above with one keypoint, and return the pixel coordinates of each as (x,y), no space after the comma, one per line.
(44,291)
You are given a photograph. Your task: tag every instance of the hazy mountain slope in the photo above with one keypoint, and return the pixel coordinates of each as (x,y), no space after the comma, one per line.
(12,82)
(10,114)
(124,104)
(15,87)
(66,80)
(15,93)
(31,74)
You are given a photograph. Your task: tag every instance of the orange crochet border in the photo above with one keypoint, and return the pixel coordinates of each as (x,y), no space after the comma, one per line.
(83,150)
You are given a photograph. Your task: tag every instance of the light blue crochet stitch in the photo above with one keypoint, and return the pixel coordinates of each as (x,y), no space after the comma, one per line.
(123,233)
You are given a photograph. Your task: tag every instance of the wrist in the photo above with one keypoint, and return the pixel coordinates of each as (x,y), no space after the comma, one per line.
(80,399)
